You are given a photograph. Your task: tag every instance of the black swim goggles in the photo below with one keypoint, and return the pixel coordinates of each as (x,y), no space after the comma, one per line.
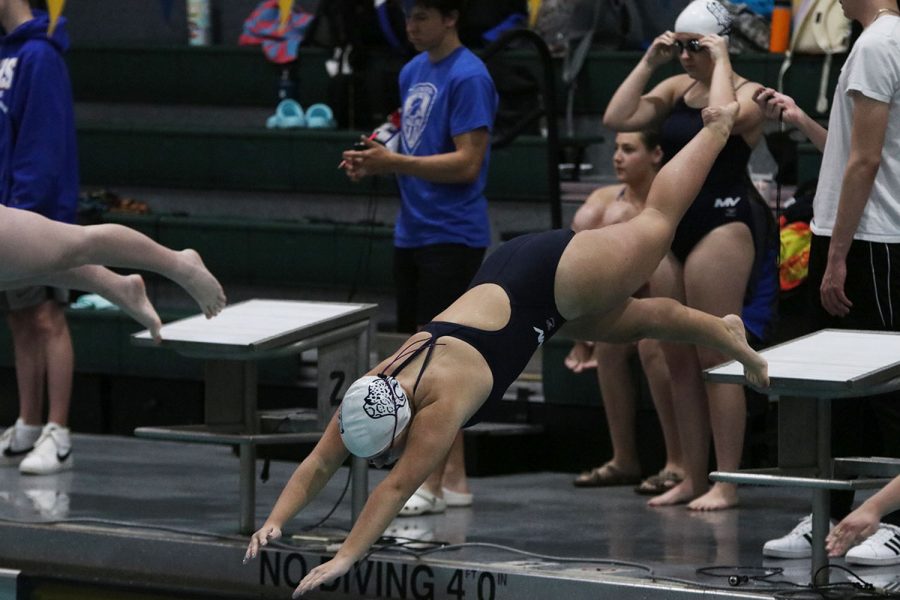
(692,46)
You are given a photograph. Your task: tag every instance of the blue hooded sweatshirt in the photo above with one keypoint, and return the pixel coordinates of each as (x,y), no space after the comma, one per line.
(38,154)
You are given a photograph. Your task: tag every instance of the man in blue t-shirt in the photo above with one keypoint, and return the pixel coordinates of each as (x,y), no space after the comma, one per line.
(448,106)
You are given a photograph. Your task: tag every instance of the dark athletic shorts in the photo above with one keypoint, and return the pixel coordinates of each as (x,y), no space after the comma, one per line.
(431,278)
(29,297)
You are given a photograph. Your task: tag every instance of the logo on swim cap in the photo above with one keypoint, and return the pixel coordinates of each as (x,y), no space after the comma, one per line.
(364,429)
(704,17)
(385,398)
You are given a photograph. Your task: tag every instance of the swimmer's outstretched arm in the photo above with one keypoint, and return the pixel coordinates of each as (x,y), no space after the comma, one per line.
(667,319)
(307,481)
(431,434)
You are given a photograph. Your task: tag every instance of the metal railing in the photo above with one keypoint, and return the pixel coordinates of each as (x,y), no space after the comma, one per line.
(546,108)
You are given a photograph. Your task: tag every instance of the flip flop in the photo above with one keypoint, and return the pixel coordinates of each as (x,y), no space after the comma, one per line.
(605,476)
(657,484)
(320,116)
(288,115)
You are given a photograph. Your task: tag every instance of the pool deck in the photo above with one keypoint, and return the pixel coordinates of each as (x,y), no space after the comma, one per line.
(164,516)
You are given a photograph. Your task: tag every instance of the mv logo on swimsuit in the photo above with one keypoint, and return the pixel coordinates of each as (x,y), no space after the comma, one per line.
(7,71)
(416,110)
(550,324)
(727,202)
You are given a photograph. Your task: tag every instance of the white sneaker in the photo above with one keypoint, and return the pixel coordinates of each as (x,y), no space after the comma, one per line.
(423,502)
(16,442)
(796,544)
(52,452)
(879,549)
(886,583)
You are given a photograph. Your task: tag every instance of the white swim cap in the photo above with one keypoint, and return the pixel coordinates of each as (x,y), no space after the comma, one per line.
(374,409)
(704,17)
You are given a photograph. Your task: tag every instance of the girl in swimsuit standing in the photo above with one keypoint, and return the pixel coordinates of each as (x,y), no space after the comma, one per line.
(714,244)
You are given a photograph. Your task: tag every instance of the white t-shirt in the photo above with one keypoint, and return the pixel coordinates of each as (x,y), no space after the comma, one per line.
(873,70)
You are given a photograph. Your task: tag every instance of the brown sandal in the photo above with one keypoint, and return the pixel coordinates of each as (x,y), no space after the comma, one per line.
(606,475)
(657,484)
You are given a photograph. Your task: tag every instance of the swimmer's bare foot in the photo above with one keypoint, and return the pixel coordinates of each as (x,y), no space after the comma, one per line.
(131,296)
(581,357)
(203,287)
(756,369)
(721,118)
(681,493)
(720,497)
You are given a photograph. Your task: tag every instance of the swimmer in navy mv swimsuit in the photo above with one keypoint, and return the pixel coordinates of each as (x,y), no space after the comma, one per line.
(410,407)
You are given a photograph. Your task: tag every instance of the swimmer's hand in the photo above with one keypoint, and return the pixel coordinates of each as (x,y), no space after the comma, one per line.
(324,573)
(266,534)
(581,357)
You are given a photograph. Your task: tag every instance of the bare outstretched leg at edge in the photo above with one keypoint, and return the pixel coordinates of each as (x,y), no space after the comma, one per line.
(125,291)
(38,250)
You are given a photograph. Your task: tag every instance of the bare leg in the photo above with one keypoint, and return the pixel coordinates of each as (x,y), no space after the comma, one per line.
(30,362)
(24,238)
(663,283)
(60,368)
(716,275)
(692,410)
(653,362)
(454,475)
(618,392)
(692,418)
(667,319)
(433,483)
(44,361)
(126,291)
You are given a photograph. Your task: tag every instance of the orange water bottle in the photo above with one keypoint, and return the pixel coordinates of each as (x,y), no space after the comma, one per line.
(780,34)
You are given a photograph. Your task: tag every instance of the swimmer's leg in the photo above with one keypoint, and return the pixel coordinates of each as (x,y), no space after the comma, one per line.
(33,246)
(126,291)
(617,260)
(669,320)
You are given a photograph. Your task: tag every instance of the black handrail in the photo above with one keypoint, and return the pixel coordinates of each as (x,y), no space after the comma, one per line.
(547,110)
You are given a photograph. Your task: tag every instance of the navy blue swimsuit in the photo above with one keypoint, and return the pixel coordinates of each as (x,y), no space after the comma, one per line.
(725,195)
(525,267)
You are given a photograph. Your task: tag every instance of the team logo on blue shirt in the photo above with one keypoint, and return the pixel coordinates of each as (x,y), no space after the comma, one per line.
(415,114)
(7,71)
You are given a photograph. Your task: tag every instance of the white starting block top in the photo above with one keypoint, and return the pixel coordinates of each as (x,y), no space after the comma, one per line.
(835,362)
(256,325)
